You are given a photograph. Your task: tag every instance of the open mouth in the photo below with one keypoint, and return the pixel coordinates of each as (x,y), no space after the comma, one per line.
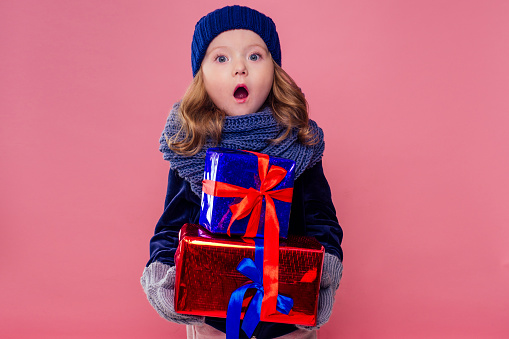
(241,92)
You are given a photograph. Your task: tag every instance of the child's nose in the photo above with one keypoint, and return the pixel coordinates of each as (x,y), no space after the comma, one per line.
(239,68)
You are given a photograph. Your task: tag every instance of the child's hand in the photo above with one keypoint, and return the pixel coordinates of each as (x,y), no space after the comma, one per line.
(331,276)
(158,281)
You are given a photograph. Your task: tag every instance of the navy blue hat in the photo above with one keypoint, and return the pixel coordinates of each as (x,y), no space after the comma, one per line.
(228,18)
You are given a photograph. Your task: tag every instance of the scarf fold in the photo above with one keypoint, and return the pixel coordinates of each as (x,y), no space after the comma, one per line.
(250,132)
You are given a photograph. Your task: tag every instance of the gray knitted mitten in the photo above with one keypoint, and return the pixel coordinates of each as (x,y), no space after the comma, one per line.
(331,276)
(158,281)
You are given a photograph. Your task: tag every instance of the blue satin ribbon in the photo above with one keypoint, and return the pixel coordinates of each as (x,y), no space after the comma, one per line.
(254,271)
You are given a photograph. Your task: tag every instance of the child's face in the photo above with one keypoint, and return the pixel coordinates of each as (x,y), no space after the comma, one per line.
(238,72)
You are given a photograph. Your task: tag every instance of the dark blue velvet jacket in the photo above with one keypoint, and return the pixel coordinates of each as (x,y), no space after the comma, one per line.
(312,213)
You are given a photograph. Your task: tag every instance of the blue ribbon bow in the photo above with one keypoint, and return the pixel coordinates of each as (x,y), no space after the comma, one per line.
(252,317)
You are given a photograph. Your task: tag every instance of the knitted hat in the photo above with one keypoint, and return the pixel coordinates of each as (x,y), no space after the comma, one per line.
(228,18)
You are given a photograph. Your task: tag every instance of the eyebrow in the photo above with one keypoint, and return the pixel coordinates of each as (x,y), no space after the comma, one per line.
(247,47)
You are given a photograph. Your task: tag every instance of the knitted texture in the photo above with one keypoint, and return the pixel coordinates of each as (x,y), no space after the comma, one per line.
(250,132)
(228,18)
(158,281)
(331,276)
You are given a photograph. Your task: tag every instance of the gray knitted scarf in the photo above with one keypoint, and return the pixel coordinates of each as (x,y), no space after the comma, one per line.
(251,132)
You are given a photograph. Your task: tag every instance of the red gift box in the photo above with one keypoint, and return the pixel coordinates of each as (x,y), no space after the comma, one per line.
(206,274)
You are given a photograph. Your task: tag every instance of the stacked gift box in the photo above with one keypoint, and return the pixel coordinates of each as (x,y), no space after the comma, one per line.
(241,252)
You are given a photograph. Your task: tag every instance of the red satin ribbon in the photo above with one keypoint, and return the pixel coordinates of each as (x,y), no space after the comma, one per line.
(252,204)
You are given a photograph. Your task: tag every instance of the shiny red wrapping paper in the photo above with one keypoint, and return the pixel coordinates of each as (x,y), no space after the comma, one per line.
(206,274)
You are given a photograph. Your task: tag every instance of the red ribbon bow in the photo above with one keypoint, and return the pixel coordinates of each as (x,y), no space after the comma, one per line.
(252,204)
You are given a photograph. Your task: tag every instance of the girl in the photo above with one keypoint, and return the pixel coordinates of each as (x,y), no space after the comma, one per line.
(241,98)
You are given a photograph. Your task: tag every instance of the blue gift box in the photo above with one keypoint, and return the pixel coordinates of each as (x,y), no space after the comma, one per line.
(241,169)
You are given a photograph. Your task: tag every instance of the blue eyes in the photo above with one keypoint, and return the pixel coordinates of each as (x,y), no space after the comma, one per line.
(222,59)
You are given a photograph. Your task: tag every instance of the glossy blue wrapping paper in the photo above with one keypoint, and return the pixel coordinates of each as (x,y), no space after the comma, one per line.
(240,168)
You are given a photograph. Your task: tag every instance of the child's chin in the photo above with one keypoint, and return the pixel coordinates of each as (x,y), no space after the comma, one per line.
(238,112)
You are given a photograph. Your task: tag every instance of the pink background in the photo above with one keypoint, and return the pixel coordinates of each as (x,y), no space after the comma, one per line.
(413,98)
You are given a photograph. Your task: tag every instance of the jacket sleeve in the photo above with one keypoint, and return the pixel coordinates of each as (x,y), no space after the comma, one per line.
(320,214)
(181,206)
